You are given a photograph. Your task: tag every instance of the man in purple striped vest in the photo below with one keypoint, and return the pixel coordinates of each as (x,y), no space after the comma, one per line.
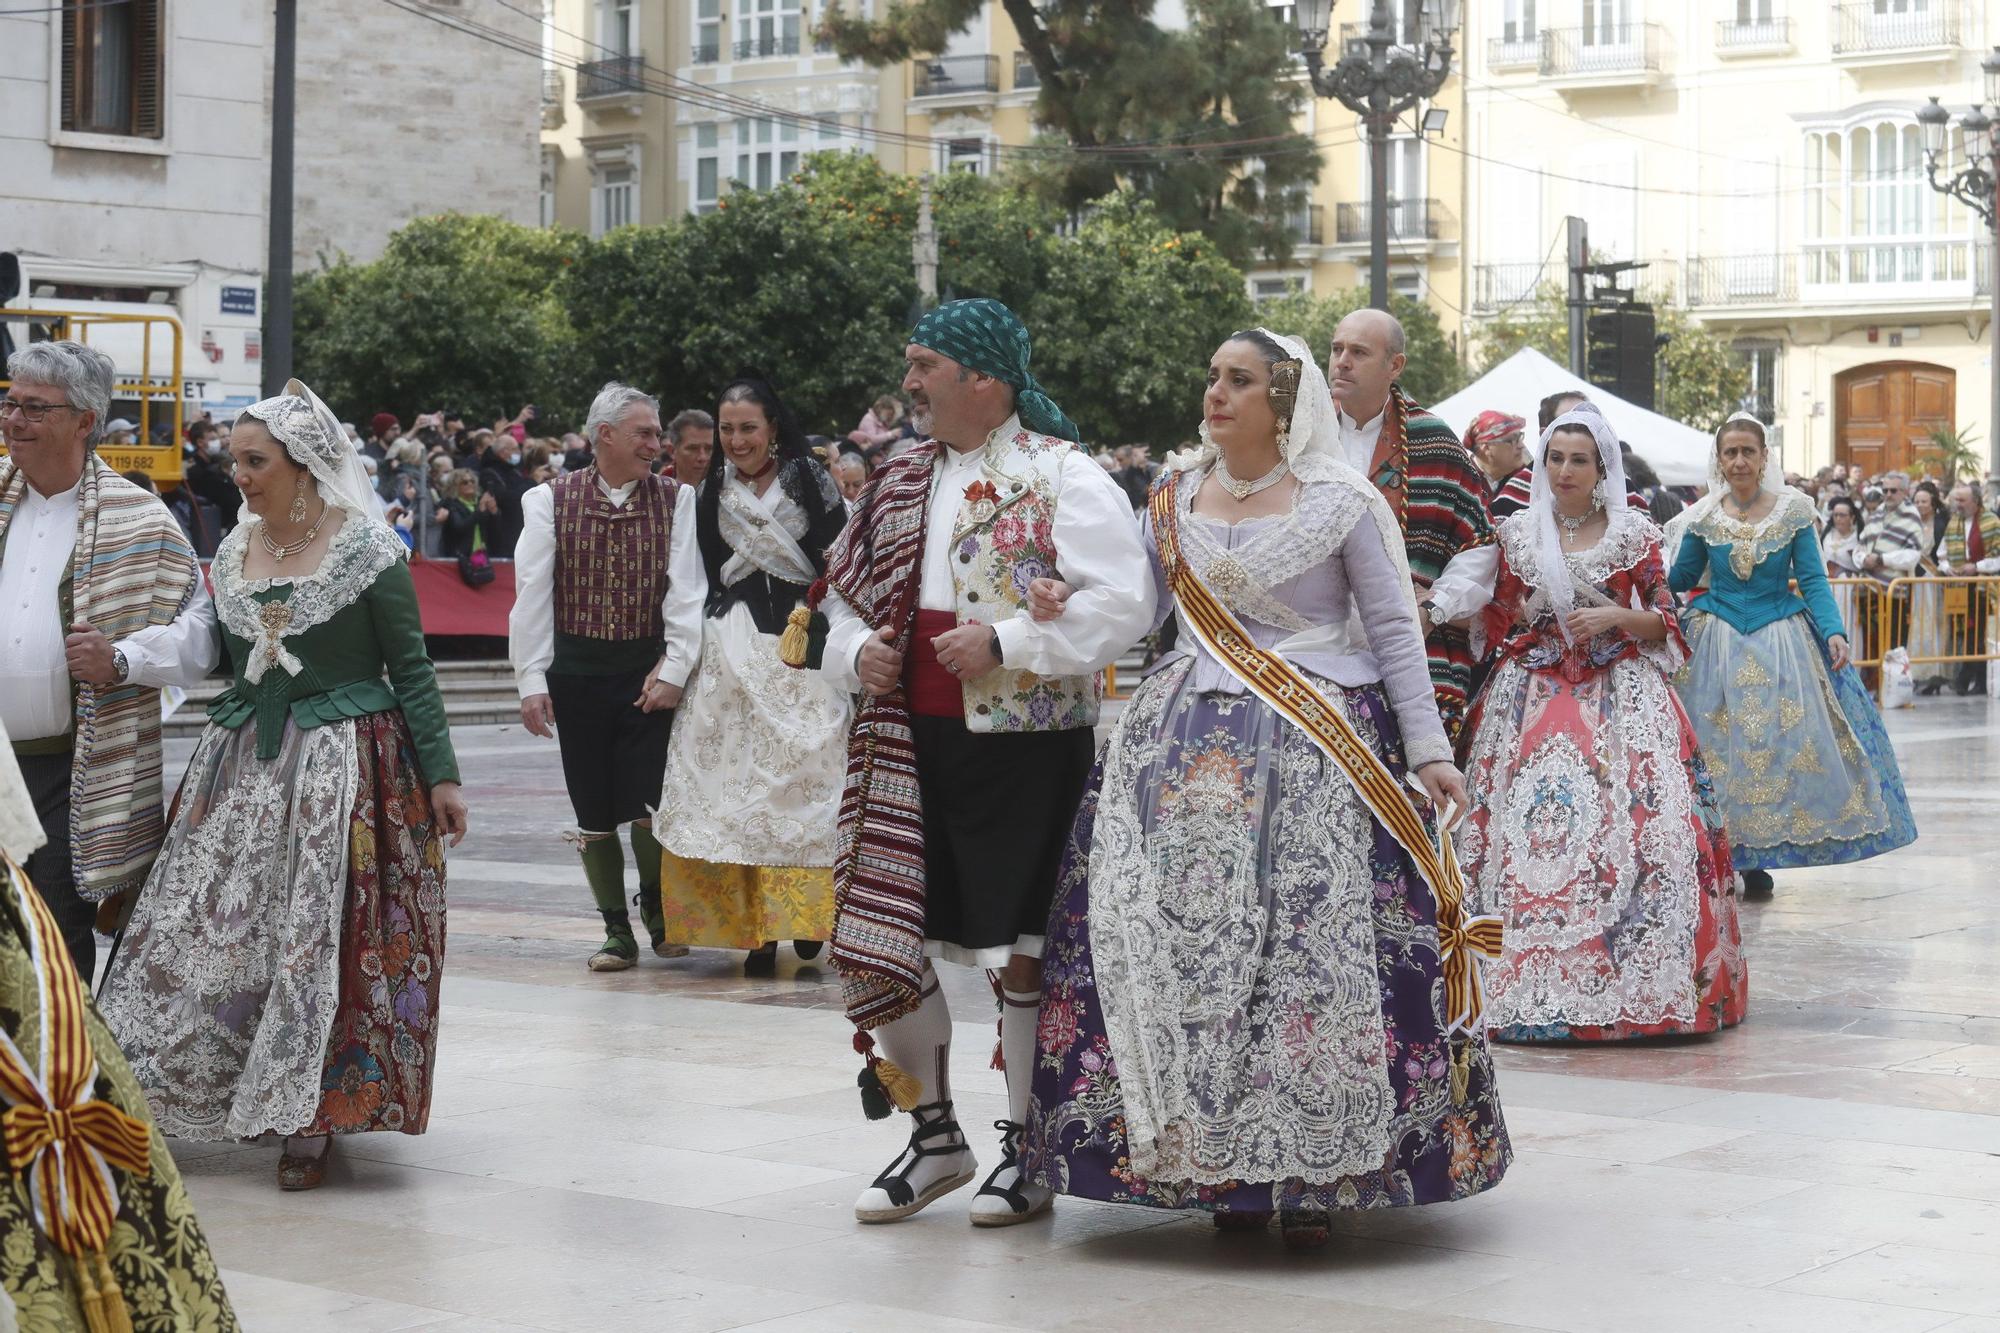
(604,633)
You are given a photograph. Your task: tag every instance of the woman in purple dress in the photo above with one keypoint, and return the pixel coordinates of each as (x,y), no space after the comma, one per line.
(1247,1007)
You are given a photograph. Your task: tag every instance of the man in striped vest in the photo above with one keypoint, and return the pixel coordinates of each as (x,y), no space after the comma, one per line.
(605,630)
(1432,484)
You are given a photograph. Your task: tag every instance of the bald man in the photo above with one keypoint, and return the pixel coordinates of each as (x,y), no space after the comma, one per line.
(1433,484)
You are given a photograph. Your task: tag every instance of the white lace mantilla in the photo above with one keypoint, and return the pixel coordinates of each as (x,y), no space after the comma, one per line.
(1627,538)
(356,556)
(1323,513)
(226,986)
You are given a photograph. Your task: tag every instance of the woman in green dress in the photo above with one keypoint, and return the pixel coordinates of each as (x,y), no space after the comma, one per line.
(281,970)
(125,1237)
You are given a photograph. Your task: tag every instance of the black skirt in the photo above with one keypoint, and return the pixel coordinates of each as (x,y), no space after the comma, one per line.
(614,757)
(997,813)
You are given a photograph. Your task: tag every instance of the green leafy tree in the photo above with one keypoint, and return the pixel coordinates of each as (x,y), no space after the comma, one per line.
(460,312)
(809,283)
(1698,378)
(1215,103)
(1433,371)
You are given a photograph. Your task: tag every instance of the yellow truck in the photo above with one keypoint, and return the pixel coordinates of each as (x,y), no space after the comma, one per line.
(147,350)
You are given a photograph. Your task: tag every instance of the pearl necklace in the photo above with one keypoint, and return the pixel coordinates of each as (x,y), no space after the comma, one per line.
(1573,526)
(293,548)
(1243,490)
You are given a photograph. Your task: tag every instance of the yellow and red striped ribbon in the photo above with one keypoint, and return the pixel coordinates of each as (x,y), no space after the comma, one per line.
(1462,942)
(55,1130)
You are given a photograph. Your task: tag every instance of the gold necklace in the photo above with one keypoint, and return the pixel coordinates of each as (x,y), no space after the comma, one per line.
(291,549)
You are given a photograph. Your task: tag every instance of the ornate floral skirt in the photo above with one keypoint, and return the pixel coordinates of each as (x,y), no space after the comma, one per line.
(752,795)
(1595,837)
(1241,985)
(1805,774)
(158,1254)
(281,969)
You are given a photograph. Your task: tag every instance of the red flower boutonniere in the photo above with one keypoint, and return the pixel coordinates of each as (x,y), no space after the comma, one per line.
(982,499)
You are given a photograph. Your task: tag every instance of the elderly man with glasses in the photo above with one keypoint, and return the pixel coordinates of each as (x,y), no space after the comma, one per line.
(103,606)
(1891,545)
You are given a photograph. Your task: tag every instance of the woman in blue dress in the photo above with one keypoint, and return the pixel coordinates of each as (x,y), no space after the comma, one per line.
(1804,771)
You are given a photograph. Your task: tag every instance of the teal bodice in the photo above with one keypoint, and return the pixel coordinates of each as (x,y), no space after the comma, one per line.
(1751,567)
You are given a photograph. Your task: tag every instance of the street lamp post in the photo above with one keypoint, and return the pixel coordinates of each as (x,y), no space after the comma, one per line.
(1977,186)
(1379,80)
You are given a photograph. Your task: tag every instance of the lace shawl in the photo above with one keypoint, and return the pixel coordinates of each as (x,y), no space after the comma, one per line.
(1750,544)
(761,538)
(356,556)
(1323,513)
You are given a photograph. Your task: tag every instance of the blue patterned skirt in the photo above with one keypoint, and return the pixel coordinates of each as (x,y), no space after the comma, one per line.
(1240,1003)
(1803,769)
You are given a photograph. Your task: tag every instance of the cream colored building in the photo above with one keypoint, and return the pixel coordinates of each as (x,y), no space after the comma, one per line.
(1763,158)
(645,118)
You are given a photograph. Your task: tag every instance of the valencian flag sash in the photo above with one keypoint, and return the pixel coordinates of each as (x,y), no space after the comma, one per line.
(55,1131)
(1462,941)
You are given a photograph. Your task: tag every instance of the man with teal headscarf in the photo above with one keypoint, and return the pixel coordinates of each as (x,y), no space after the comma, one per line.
(974,742)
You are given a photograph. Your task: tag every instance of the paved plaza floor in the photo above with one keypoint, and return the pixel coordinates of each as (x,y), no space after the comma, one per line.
(678,1148)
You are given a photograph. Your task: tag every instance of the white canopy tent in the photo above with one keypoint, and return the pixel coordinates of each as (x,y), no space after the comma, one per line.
(1678,453)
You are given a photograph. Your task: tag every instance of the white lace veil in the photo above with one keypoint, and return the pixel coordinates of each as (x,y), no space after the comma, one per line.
(312,436)
(1772,481)
(20,827)
(1549,554)
(1312,452)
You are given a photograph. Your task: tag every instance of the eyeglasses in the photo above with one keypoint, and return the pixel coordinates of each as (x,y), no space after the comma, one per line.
(32,411)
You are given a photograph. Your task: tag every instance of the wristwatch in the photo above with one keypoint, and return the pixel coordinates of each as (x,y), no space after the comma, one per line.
(993,635)
(119,667)
(1434,613)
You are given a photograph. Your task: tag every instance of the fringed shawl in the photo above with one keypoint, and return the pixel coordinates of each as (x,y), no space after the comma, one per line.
(878,873)
(131,568)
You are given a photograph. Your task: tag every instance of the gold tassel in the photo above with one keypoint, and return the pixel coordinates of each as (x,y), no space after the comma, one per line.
(903,1089)
(103,1303)
(792,643)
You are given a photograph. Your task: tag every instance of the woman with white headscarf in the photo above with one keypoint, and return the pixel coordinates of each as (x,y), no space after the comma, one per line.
(1804,771)
(1596,837)
(1247,1006)
(281,969)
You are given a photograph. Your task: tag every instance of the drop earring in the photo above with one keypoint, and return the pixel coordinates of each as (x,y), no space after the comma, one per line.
(297,513)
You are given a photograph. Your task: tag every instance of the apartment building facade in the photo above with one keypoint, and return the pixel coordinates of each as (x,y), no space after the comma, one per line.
(645,119)
(1763,159)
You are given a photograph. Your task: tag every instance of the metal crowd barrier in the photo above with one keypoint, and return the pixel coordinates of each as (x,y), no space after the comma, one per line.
(1946,624)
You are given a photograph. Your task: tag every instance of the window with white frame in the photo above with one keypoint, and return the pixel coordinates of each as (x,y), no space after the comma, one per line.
(1761,357)
(1870,217)
(707,167)
(614,189)
(767,28)
(1276,286)
(1517,21)
(1607,22)
(707,31)
(618,27)
(966,154)
(767,151)
(1408,213)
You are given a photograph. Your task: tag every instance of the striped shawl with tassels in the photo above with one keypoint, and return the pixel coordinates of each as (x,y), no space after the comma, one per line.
(131,567)
(878,873)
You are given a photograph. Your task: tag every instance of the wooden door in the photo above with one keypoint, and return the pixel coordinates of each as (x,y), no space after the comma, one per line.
(1884,413)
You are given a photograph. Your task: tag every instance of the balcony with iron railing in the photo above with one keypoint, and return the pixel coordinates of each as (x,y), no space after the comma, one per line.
(1606,55)
(1501,286)
(768,47)
(620,76)
(1871,33)
(1858,273)
(1410,220)
(705,53)
(1516,49)
(1753,37)
(1026,76)
(957,76)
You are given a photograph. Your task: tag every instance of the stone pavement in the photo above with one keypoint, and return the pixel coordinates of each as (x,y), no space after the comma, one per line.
(677,1148)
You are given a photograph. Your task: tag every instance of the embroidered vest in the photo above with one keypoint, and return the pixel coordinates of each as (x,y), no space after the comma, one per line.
(611,561)
(1002,539)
